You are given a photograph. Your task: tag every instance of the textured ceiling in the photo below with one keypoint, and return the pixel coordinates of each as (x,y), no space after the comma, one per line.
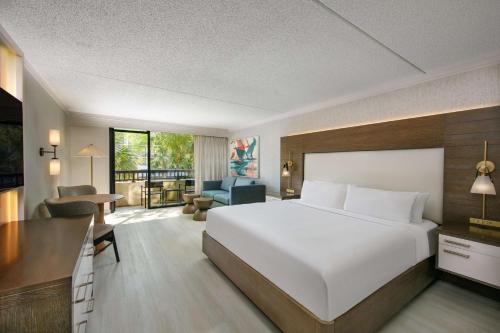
(432,33)
(226,64)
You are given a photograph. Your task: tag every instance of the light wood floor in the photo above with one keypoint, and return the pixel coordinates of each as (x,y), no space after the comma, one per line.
(164,283)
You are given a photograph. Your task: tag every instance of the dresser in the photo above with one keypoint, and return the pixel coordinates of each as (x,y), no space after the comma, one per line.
(471,253)
(46,275)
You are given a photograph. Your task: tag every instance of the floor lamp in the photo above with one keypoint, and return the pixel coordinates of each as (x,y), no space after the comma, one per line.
(91,151)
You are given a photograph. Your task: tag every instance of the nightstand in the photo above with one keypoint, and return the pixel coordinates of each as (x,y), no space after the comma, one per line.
(470,252)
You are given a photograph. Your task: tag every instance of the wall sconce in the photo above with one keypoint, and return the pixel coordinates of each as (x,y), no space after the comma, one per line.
(483,184)
(54,141)
(287,172)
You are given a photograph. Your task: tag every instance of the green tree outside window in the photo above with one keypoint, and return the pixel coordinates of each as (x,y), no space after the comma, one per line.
(168,151)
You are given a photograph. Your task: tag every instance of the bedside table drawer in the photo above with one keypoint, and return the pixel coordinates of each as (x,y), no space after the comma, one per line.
(469,245)
(468,263)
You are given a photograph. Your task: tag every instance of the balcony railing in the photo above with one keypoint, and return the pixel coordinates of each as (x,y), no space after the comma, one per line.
(142,175)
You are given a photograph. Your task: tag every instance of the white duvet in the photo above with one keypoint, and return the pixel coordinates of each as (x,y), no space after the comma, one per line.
(327,260)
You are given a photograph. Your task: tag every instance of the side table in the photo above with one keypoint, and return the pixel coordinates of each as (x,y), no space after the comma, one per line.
(189,208)
(202,205)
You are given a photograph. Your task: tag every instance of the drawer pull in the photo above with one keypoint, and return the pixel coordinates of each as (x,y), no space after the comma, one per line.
(80,297)
(90,280)
(466,256)
(90,306)
(81,324)
(456,243)
(90,253)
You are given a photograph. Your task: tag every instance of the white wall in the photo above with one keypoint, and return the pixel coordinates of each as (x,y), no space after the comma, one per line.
(475,89)
(40,114)
(80,137)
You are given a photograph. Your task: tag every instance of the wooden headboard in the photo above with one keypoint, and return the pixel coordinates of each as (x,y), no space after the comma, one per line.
(461,134)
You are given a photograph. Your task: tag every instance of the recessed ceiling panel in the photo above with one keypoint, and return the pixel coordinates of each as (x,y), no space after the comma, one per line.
(105,97)
(431,33)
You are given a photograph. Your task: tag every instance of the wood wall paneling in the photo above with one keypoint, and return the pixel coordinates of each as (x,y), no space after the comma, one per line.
(460,133)
(464,137)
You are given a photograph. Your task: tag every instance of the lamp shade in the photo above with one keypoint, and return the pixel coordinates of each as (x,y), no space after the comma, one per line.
(483,185)
(91,150)
(54,137)
(55,167)
(286,171)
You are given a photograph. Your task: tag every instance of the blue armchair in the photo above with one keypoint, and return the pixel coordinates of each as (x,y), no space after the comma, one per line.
(234,191)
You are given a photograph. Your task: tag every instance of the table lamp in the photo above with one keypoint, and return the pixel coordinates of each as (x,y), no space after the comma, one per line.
(91,151)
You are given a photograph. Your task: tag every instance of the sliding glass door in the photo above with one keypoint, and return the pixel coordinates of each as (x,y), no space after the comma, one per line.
(129,166)
(171,167)
(151,169)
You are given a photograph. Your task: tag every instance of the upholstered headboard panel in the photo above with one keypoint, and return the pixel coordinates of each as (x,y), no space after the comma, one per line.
(413,170)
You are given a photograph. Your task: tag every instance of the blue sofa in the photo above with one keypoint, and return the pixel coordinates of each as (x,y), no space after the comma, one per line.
(234,191)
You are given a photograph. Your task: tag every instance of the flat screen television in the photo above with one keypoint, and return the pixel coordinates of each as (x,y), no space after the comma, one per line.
(11,142)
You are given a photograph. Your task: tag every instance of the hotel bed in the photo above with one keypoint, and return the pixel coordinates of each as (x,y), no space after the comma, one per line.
(325,259)
(343,258)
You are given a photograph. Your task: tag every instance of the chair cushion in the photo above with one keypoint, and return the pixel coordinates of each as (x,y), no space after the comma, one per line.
(65,191)
(241,181)
(212,193)
(102,229)
(222,198)
(227,183)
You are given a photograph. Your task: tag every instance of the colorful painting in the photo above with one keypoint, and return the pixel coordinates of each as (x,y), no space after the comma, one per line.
(244,160)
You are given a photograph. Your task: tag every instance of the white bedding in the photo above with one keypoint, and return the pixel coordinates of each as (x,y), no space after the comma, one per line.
(328,260)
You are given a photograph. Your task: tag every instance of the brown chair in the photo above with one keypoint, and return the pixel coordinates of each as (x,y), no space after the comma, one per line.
(102,232)
(155,188)
(67,191)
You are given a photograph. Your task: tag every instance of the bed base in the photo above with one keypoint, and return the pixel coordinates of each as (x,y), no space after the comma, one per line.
(367,316)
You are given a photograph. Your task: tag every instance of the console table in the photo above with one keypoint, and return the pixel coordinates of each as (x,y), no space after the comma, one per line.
(46,275)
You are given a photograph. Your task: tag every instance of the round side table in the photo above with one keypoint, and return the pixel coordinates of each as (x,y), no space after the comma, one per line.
(189,208)
(202,205)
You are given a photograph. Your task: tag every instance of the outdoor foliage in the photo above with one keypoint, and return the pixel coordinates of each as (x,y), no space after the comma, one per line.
(168,151)
(171,151)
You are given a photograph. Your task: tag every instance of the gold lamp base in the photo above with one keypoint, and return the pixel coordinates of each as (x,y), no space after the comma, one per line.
(484,222)
(485,232)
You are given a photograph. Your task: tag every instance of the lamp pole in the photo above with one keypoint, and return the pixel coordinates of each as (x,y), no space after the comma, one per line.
(91,170)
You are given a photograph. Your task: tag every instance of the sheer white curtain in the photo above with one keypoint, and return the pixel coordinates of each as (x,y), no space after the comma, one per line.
(210,159)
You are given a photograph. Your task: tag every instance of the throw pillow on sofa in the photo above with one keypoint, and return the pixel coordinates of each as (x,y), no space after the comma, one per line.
(227,183)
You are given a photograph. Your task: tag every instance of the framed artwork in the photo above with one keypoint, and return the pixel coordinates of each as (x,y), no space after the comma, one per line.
(244,159)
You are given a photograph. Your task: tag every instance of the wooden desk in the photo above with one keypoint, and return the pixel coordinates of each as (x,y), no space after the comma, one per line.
(99,199)
(41,263)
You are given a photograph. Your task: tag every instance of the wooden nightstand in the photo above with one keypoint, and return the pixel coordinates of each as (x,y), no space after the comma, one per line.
(470,252)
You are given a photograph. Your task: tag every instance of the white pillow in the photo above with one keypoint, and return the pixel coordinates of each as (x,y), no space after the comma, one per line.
(389,205)
(418,207)
(323,194)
